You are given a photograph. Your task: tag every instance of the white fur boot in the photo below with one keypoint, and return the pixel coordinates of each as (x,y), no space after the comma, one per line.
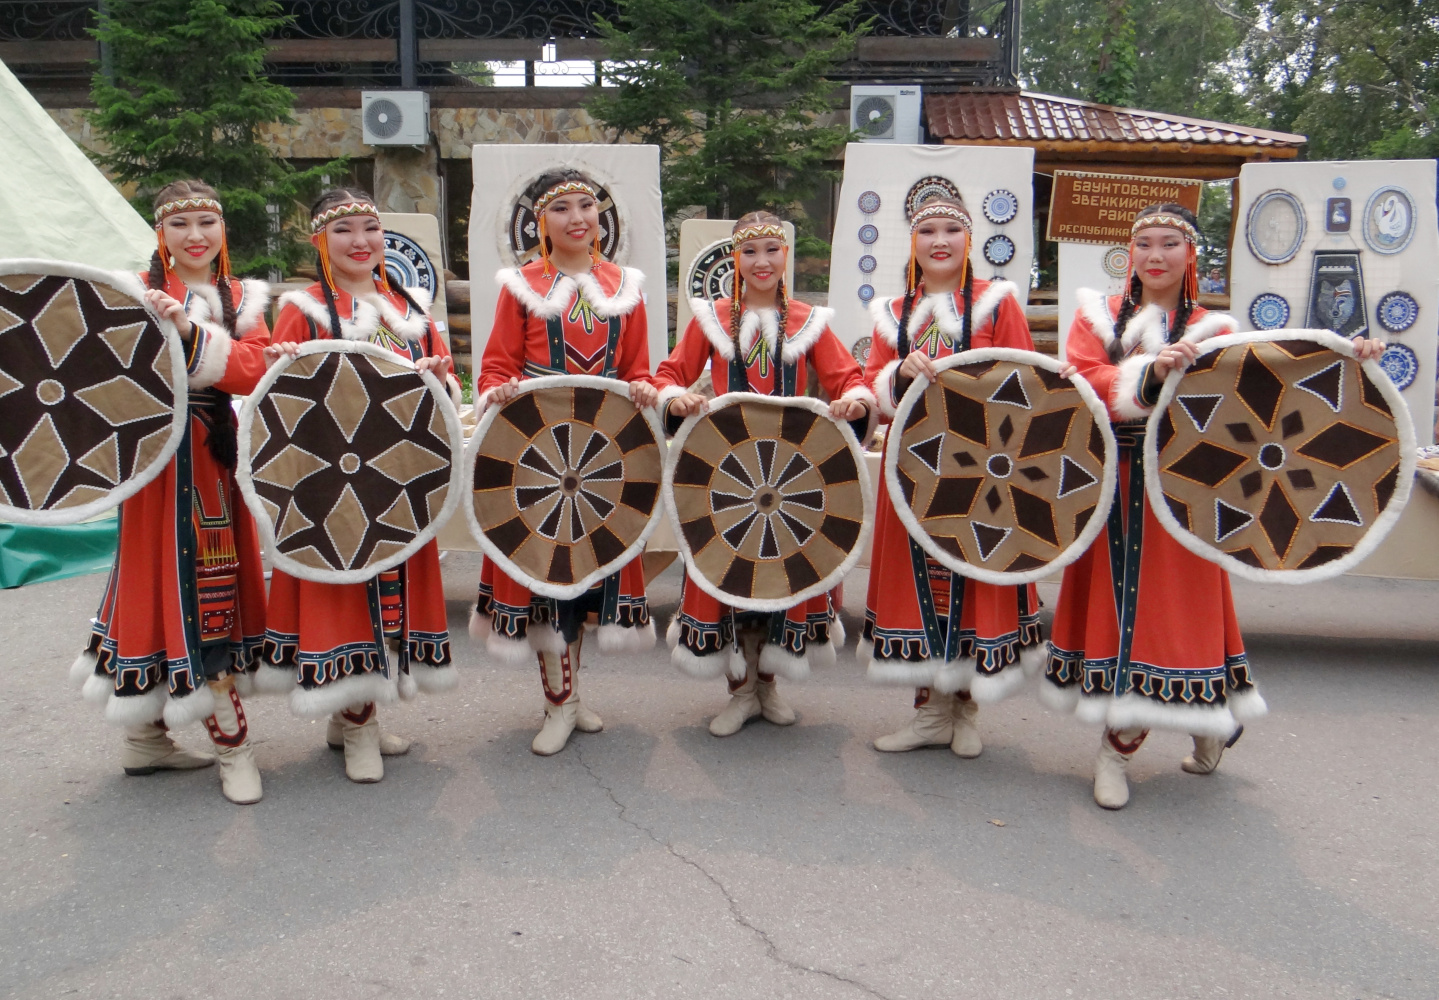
(1111,786)
(932,725)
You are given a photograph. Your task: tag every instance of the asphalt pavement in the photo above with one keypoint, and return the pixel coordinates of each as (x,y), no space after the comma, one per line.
(653,860)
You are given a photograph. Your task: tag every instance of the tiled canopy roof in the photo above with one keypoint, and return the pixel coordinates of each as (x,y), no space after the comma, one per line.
(1019,116)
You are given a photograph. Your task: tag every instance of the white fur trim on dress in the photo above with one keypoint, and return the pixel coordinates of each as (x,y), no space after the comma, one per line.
(619,639)
(627,296)
(1135,711)
(823,653)
(1059,699)
(197,705)
(668,394)
(987,689)
(214,354)
(1248,705)
(702,667)
(408,688)
(138,709)
(810,331)
(366,315)
(429,680)
(561,294)
(1094,307)
(479,625)
(1032,659)
(1124,392)
(1408,459)
(676,448)
(780,662)
(884,387)
(704,313)
(907,673)
(886,326)
(1108,477)
(508,650)
(465,473)
(83,668)
(672,633)
(458,485)
(984,307)
(545,638)
(330,698)
(837,635)
(954,675)
(98,689)
(270,679)
(863,394)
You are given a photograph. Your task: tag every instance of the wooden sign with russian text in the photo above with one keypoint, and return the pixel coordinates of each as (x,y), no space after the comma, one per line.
(1100,208)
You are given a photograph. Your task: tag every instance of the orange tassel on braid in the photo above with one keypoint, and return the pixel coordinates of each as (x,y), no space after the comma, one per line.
(911,277)
(595,255)
(323,246)
(164,253)
(544,247)
(1191,277)
(224,261)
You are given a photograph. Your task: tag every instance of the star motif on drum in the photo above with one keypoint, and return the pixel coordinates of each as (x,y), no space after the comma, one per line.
(1279,454)
(769,498)
(1000,464)
(350,458)
(565,481)
(86,394)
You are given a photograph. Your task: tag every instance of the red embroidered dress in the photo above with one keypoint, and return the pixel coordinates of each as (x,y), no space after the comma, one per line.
(556,324)
(705,628)
(325,643)
(185,602)
(914,601)
(1144,634)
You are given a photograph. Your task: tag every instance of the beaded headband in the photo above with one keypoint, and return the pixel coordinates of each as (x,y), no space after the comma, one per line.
(329,215)
(1191,234)
(187,205)
(942,211)
(772,230)
(559,191)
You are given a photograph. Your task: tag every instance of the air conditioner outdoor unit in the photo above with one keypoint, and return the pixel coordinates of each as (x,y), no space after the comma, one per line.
(885,114)
(395,117)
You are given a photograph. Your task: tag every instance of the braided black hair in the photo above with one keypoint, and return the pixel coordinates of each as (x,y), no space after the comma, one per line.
(736,307)
(219,415)
(1136,287)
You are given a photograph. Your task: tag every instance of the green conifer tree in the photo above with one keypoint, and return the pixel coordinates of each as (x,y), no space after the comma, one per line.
(186,97)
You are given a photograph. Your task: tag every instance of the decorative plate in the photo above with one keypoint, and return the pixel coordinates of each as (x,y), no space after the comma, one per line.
(867,264)
(860,350)
(869,202)
(868,234)
(1389,220)
(1269,311)
(1401,364)
(866,292)
(407,263)
(1000,206)
(1397,312)
(711,273)
(999,250)
(926,188)
(1116,262)
(1275,228)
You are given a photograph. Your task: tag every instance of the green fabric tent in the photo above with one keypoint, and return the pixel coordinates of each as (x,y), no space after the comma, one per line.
(54,202)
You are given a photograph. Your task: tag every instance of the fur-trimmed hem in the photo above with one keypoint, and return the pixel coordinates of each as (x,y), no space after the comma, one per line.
(1133,711)
(704,668)
(884,388)
(1056,698)
(1032,659)
(1124,394)
(545,639)
(316,703)
(270,679)
(430,680)
(508,650)
(906,673)
(782,663)
(98,689)
(83,668)
(1248,705)
(704,313)
(619,639)
(212,355)
(138,709)
(837,635)
(479,625)
(954,676)
(408,689)
(823,653)
(180,712)
(672,633)
(988,689)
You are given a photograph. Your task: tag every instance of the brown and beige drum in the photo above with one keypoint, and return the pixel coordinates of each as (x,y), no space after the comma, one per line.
(92,391)
(565,482)
(348,460)
(1279,456)
(1003,471)
(771,499)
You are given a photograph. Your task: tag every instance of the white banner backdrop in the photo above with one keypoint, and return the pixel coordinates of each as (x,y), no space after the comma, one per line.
(412,250)
(871,231)
(1087,265)
(1351,245)
(629,176)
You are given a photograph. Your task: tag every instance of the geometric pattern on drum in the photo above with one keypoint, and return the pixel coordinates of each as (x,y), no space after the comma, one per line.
(350,457)
(1001,463)
(566,480)
(1280,454)
(769,499)
(86,397)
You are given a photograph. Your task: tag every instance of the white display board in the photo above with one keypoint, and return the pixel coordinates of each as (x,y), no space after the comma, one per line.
(1347,244)
(629,179)
(1085,265)
(871,247)
(412,250)
(707,265)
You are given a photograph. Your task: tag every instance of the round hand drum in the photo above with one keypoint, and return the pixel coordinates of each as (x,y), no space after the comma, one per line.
(1279,456)
(1002,470)
(348,460)
(771,497)
(92,391)
(565,482)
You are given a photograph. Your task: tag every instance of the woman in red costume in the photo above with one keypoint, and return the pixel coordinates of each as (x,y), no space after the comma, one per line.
(183,616)
(960,641)
(321,641)
(1144,633)
(569,312)
(762,344)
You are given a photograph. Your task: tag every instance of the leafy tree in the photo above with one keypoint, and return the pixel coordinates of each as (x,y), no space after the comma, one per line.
(1118,57)
(187,98)
(733,92)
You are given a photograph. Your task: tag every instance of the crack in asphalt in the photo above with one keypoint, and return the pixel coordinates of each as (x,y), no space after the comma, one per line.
(771,949)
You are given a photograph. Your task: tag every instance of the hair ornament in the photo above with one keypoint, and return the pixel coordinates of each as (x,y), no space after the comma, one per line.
(187,205)
(942,210)
(329,215)
(560,190)
(771,230)
(1191,234)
